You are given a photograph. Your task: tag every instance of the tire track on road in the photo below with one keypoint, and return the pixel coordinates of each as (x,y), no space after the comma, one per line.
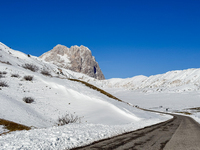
(178,133)
(153,137)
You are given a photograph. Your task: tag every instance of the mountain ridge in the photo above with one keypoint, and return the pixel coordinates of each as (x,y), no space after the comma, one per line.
(172,81)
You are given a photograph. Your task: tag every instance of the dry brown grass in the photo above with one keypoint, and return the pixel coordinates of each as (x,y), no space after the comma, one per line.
(196,108)
(184,112)
(97,89)
(12,126)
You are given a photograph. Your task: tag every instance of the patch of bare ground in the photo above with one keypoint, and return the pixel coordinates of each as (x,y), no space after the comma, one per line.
(12,126)
(184,112)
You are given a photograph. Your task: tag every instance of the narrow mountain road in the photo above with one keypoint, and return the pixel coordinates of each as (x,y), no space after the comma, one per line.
(179,133)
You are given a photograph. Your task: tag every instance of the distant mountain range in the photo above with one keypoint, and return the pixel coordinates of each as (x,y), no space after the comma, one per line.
(172,81)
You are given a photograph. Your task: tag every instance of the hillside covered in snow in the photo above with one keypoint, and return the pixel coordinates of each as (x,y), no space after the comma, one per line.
(37,93)
(171,82)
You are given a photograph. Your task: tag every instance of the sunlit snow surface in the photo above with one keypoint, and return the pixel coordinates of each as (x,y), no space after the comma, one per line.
(54,97)
(68,136)
(173,102)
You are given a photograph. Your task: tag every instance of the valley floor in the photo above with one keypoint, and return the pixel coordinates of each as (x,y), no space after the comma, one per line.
(187,103)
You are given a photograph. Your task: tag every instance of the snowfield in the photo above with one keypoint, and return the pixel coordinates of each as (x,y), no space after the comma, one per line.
(180,103)
(55,96)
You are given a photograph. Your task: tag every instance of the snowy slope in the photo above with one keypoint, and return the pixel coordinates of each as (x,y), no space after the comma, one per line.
(54,96)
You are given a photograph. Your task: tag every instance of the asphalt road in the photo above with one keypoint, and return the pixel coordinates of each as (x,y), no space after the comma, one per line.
(186,137)
(179,133)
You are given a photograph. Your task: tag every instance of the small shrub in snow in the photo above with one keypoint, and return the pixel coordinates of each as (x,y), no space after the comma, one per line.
(31,67)
(68,118)
(8,63)
(4,72)
(3,84)
(28,99)
(28,78)
(46,73)
(15,75)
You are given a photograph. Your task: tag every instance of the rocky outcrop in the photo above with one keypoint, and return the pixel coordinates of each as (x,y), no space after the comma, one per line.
(75,58)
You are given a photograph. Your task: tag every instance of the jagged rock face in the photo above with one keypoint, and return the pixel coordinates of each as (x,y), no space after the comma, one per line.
(75,58)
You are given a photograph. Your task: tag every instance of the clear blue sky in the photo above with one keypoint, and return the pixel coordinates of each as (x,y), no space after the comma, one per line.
(127,37)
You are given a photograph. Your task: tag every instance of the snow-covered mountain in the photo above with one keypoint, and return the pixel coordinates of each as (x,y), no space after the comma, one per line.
(75,58)
(172,81)
(35,94)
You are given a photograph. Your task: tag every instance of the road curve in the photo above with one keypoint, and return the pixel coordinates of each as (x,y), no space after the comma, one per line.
(186,137)
(179,133)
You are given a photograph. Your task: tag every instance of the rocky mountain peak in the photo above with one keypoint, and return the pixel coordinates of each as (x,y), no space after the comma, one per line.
(75,58)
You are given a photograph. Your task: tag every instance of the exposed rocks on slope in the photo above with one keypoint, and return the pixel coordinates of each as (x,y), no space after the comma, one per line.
(75,58)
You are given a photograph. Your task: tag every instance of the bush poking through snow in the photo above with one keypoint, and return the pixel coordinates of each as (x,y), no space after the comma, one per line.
(4,72)
(8,63)
(28,78)
(3,84)
(31,67)
(45,72)
(28,99)
(68,118)
(15,75)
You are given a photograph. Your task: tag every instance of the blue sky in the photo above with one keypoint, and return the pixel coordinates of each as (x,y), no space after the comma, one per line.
(127,37)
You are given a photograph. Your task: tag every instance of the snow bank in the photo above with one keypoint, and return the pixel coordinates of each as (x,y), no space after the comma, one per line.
(68,136)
